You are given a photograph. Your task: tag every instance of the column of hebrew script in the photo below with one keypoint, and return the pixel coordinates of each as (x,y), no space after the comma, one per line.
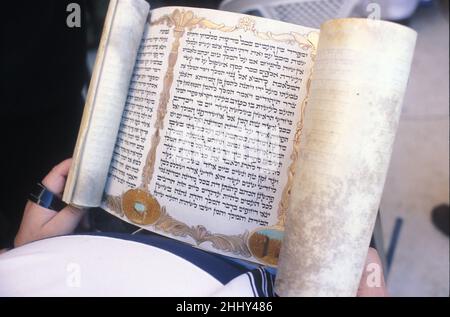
(139,112)
(228,130)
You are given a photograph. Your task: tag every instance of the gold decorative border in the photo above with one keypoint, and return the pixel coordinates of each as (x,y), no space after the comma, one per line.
(169,225)
(227,243)
(284,201)
(181,20)
(114,203)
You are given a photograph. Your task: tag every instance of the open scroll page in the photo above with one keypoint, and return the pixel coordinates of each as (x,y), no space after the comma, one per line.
(358,83)
(122,33)
(209,135)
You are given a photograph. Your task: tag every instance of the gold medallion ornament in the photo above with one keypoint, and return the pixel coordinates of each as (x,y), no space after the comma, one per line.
(140,207)
(265,244)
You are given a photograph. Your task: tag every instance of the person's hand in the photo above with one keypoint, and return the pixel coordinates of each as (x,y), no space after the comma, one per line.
(372,280)
(39,222)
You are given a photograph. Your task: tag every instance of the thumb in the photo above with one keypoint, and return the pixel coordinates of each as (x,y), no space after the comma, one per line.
(56,179)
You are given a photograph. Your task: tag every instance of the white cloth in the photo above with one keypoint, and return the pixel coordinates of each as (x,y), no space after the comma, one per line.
(104,266)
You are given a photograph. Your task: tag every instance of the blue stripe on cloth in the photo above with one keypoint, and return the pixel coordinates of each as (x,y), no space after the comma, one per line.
(220,267)
(252,283)
(262,282)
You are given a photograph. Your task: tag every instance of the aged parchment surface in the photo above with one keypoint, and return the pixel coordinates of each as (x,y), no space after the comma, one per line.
(358,83)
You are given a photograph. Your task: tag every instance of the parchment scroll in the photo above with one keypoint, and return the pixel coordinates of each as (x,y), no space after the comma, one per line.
(358,83)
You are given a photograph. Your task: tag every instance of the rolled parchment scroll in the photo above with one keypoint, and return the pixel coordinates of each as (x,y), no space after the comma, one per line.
(358,82)
(121,37)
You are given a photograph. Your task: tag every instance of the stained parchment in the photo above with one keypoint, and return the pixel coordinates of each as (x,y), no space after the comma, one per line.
(358,83)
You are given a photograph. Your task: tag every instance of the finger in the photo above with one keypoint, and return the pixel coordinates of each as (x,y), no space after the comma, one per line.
(56,179)
(372,281)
